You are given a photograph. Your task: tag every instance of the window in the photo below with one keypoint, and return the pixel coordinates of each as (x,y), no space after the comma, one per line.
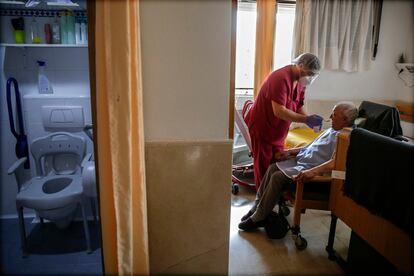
(245,49)
(285,19)
(246,40)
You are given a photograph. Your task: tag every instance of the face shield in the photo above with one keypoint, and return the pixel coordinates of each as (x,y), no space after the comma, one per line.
(308,79)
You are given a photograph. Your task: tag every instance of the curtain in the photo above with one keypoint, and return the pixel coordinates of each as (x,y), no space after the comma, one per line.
(265,30)
(119,127)
(376,28)
(339,32)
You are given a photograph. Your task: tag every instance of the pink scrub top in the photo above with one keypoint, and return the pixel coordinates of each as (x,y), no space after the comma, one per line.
(261,121)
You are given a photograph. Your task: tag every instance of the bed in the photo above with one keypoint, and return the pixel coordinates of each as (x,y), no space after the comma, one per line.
(391,241)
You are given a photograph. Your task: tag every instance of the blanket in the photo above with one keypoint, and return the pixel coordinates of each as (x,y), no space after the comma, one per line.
(379,176)
(380,118)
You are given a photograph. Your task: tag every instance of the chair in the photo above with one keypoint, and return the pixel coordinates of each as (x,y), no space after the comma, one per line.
(312,194)
(56,190)
(315,194)
(381,119)
(89,177)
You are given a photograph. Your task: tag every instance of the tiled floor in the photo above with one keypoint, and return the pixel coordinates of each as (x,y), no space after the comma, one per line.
(52,251)
(252,253)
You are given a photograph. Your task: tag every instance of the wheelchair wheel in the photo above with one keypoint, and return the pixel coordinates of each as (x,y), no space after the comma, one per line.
(300,243)
(234,189)
(285,210)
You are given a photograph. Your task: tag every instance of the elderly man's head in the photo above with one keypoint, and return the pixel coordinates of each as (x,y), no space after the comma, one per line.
(343,115)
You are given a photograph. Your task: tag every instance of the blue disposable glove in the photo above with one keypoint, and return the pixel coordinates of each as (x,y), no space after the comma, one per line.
(313,121)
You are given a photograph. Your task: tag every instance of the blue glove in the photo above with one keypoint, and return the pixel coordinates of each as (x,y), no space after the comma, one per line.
(313,121)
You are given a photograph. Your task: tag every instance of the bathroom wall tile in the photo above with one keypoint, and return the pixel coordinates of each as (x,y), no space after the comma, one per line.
(71,59)
(44,54)
(6,33)
(35,115)
(22,76)
(26,79)
(14,58)
(188,189)
(64,82)
(67,73)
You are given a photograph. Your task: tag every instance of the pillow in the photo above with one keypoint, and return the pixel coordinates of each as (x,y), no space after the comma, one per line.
(300,137)
(359,122)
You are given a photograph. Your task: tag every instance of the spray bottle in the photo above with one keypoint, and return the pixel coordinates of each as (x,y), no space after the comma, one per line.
(44,84)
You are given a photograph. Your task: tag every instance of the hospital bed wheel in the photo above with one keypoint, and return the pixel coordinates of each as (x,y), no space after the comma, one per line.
(301,243)
(234,189)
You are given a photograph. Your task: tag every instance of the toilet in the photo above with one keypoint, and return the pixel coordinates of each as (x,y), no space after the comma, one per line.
(45,114)
(55,198)
(58,182)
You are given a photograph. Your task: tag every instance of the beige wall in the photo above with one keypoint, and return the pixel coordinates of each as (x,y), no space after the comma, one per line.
(186,68)
(186,80)
(381,82)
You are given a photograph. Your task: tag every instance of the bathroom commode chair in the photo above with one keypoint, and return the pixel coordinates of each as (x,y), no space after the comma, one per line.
(57,189)
(88,176)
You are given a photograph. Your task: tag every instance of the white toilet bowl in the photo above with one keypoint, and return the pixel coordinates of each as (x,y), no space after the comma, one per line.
(53,197)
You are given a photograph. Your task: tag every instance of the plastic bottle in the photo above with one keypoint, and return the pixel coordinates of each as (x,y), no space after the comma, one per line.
(70,21)
(84,32)
(34,31)
(44,84)
(63,28)
(78,37)
(55,31)
(48,33)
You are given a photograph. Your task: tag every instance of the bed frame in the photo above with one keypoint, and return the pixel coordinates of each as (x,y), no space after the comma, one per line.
(386,238)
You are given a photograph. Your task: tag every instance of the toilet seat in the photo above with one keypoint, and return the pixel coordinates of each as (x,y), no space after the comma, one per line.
(33,195)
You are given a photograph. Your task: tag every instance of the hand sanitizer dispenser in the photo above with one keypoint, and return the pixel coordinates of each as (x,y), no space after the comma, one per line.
(44,84)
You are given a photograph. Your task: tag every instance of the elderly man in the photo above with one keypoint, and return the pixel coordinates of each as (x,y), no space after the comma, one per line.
(300,163)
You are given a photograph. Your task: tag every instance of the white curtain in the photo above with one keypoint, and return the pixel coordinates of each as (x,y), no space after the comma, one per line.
(339,32)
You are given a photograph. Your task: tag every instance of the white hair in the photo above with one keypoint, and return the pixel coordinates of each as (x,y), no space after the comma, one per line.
(349,110)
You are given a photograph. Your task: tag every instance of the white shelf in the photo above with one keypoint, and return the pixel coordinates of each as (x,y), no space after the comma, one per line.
(409,67)
(57,4)
(41,3)
(406,73)
(44,45)
(12,2)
